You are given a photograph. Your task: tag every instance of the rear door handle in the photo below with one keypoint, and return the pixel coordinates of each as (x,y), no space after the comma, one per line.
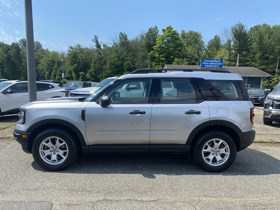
(137,112)
(192,112)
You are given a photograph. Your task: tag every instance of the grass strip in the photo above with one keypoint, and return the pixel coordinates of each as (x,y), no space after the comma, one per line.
(8,126)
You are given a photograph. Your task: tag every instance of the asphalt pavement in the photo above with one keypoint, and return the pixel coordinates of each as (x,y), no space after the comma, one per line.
(142,181)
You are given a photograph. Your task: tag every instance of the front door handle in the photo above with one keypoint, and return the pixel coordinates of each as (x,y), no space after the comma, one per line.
(137,112)
(192,112)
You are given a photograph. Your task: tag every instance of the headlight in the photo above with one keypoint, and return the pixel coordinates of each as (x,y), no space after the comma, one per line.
(268,101)
(21,116)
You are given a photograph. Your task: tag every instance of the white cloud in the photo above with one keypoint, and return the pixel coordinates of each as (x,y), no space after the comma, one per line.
(5,3)
(15,13)
(7,38)
(11,7)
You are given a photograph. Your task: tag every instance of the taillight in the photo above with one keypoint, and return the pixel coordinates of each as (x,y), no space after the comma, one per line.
(252,115)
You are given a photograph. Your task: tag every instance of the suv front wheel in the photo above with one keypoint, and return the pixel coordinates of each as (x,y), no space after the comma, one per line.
(215,151)
(54,149)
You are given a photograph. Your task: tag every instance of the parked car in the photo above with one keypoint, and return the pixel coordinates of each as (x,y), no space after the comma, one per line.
(207,114)
(272,106)
(52,81)
(267,91)
(72,85)
(14,93)
(256,95)
(85,92)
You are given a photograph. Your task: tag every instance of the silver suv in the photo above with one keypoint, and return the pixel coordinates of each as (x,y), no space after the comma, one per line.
(207,114)
(272,106)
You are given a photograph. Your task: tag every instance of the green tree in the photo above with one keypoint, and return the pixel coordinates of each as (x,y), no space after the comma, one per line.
(213,47)
(241,44)
(14,68)
(96,72)
(79,59)
(150,38)
(193,47)
(275,42)
(262,50)
(225,53)
(168,47)
(114,64)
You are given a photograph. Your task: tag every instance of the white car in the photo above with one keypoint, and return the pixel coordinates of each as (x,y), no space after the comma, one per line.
(14,93)
(85,92)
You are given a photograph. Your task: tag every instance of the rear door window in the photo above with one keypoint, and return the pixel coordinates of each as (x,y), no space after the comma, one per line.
(177,91)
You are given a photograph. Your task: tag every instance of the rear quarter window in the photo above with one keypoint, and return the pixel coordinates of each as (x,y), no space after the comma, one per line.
(43,86)
(221,90)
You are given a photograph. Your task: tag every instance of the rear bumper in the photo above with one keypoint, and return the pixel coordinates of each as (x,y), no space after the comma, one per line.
(246,139)
(23,139)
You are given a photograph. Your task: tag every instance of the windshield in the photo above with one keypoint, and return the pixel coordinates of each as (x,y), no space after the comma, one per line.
(104,82)
(74,84)
(4,84)
(255,92)
(92,97)
(277,88)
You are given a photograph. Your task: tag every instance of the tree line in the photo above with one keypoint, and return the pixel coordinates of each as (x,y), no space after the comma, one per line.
(257,47)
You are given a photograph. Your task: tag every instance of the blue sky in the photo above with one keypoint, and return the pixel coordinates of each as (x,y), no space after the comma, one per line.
(59,24)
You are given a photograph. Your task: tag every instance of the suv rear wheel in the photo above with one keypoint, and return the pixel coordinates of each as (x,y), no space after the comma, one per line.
(54,149)
(215,151)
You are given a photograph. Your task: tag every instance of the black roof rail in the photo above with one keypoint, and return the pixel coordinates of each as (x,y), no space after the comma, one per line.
(147,71)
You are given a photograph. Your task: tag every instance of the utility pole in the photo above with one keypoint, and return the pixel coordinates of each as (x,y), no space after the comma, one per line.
(277,66)
(237,60)
(163,59)
(31,73)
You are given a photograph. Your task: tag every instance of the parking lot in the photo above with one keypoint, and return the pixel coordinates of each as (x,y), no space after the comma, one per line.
(142,181)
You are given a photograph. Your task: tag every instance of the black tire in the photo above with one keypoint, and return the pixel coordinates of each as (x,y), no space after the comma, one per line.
(267,121)
(54,149)
(207,154)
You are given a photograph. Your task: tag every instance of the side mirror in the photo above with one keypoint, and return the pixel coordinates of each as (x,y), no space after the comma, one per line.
(104,101)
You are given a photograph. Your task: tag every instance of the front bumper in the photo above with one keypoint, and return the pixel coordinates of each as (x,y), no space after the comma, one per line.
(246,139)
(272,114)
(23,139)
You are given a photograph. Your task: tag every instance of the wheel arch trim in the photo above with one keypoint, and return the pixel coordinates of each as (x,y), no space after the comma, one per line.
(57,122)
(216,124)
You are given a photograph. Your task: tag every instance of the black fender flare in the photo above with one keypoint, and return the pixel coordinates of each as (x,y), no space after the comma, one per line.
(222,125)
(57,123)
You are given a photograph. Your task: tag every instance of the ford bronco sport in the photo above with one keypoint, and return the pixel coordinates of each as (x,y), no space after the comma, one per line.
(205,113)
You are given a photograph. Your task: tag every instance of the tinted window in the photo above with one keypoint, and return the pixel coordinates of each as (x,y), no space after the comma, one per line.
(134,91)
(177,91)
(226,90)
(104,82)
(43,86)
(19,88)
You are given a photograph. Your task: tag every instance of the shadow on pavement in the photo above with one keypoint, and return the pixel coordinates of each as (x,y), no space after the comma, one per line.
(9,118)
(248,162)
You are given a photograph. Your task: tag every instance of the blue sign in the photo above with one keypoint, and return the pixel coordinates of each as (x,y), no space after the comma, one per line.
(211,63)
